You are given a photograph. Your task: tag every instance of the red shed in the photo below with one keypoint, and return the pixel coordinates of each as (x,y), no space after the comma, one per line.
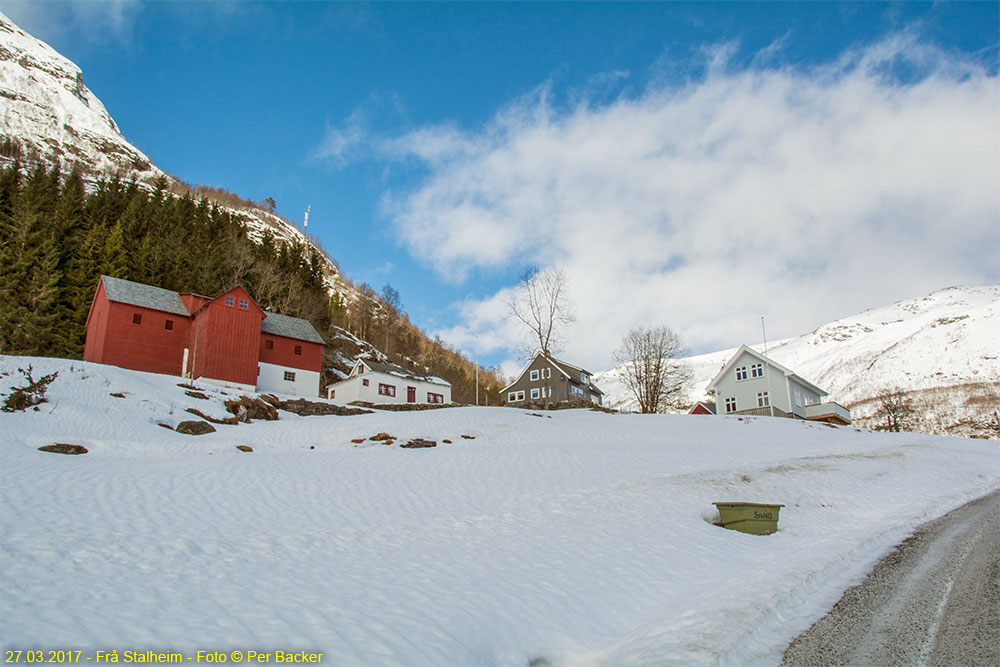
(702,408)
(228,339)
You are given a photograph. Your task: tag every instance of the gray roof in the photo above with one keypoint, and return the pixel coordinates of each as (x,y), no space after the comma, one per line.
(290,327)
(146,296)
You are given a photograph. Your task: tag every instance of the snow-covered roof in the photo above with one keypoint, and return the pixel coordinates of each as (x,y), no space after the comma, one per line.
(290,327)
(399,371)
(146,296)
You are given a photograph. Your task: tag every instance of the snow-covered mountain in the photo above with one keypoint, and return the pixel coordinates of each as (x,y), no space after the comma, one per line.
(942,347)
(56,118)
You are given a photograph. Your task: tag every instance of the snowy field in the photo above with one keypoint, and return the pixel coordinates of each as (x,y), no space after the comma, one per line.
(572,538)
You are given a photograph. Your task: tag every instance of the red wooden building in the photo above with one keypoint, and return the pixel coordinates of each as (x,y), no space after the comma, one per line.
(228,339)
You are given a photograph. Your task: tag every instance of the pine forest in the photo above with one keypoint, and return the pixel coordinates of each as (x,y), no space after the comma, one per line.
(58,236)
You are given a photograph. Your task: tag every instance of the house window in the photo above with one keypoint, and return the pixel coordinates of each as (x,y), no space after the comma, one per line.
(364,382)
(230,300)
(575,390)
(386,389)
(741,373)
(244,304)
(757,370)
(534,393)
(584,378)
(136,318)
(762,399)
(289,376)
(547,373)
(168,325)
(268,344)
(435,398)
(333,393)
(515,396)
(731,404)
(534,376)
(298,349)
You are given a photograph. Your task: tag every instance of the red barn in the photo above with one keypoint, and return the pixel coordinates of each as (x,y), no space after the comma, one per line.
(228,339)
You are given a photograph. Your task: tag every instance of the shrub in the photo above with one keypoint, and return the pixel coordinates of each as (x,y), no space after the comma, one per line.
(33,393)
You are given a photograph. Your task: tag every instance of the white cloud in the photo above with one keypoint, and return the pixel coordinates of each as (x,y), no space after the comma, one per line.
(799,194)
(95,22)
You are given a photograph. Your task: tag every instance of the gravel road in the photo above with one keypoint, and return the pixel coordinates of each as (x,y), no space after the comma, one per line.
(935,600)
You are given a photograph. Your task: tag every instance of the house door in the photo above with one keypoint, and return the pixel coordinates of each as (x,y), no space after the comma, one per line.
(411,394)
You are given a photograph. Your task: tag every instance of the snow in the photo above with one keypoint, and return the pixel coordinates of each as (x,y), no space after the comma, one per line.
(574,537)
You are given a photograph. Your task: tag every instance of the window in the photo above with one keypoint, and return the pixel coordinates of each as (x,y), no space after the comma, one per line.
(515,396)
(386,389)
(229,300)
(268,344)
(244,304)
(364,382)
(547,373)
(168,325)
(741,373)
(584,378)
(435,398)
(757,370)
(289,376)
(333,394)
(534,393)
(136,318)
(298,349)
(762,399)
(731,404)
(534,376)
(575,390)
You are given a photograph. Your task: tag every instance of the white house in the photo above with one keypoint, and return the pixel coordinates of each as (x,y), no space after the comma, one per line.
(752,384)
(373,382)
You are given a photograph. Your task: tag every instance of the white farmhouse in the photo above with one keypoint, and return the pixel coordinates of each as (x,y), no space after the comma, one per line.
(372,383)
(752,384)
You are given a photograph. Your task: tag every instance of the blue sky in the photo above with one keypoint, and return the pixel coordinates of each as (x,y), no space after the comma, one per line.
(691,164)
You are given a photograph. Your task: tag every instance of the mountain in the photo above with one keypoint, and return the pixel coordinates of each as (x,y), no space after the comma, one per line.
(48,117)
(54,115)
(56,119)
(941,349)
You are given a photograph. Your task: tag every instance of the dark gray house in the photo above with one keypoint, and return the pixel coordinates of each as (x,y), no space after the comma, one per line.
(547,378)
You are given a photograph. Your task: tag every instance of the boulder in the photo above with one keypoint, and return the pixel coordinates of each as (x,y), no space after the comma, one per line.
(63,448)
(417,443)
(255,409)
(195,428)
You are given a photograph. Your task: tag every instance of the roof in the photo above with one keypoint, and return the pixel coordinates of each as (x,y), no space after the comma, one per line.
(146,296)
(788,373)
(393,369)
(290,327)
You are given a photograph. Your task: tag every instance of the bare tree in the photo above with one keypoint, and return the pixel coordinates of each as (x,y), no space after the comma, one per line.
(651,368)
(542,305)
(896,407)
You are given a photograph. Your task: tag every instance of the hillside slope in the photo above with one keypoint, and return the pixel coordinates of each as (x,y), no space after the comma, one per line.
(941,347)
(49,117)
(583,538)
